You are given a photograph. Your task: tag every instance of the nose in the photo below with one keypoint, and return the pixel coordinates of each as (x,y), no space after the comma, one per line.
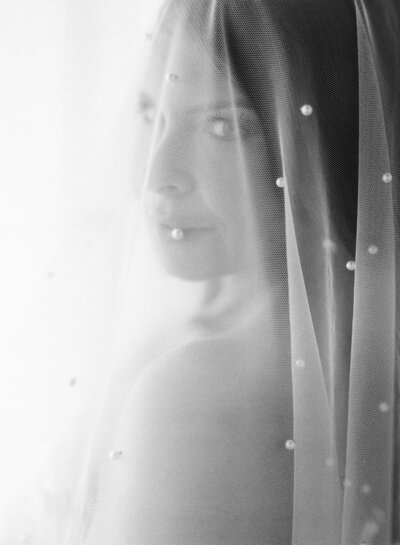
(170,169)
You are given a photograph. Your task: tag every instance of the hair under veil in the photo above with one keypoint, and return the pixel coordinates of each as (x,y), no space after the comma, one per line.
(269,170)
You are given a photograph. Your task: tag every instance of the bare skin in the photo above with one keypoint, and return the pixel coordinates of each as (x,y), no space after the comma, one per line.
(203,439)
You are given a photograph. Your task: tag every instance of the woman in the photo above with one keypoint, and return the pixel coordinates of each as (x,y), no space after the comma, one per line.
(268,185)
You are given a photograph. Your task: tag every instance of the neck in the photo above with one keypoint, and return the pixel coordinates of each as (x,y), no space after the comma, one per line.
(229,302)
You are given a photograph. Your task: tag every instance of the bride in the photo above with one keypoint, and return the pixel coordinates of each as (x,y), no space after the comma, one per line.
(256,160)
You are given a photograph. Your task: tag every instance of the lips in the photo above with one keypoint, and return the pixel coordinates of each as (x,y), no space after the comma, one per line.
(186,222)
(178,234)
(178,223)
(185,227)
(165,213)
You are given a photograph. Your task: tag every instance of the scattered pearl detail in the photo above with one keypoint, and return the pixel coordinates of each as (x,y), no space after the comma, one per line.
(387,178)
(329,245)
(171,77)
(384,407)
(177,234)
(373,249)
(281,182)
(306,110)
(300,364)
(351,265)
(290,444)
(370,530)
(115,454)
(366,489)
(330,462)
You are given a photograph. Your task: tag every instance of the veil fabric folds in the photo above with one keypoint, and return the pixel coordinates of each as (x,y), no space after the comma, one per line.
(253,397)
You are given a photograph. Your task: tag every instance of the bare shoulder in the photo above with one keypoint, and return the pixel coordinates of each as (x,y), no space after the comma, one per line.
(212,375)
(193,369)
(221,354)
(198,429)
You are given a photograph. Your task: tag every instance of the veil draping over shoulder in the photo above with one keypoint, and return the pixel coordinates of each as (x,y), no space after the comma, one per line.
(253,390)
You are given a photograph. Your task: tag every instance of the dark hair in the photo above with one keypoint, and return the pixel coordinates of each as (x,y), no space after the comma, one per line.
(312,45)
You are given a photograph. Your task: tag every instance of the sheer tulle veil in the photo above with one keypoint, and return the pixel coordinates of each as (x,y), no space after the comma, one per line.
(252,393)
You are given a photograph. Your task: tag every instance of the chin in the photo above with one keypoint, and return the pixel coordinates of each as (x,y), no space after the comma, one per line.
(201,257)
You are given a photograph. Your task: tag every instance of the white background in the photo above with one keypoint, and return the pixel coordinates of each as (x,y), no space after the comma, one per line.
(66,68)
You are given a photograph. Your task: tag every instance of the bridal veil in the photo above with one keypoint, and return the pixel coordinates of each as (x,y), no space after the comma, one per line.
(252,388)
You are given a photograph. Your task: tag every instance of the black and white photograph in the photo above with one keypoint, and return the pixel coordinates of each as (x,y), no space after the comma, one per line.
(200,272)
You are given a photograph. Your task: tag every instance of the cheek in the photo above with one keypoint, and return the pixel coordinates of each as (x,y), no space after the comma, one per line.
(226,184)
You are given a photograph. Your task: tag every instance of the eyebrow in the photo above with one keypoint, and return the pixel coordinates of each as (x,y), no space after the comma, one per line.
(144,98)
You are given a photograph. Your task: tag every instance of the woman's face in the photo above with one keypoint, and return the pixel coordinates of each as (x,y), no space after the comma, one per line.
(207,148)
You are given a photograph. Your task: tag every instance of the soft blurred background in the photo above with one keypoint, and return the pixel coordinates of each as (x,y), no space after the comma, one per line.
(66,70)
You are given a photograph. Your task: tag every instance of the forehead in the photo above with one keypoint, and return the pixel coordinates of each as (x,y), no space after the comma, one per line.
(182,70)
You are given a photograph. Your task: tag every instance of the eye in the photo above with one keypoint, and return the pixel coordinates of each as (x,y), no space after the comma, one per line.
(228,127)
(221,128)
